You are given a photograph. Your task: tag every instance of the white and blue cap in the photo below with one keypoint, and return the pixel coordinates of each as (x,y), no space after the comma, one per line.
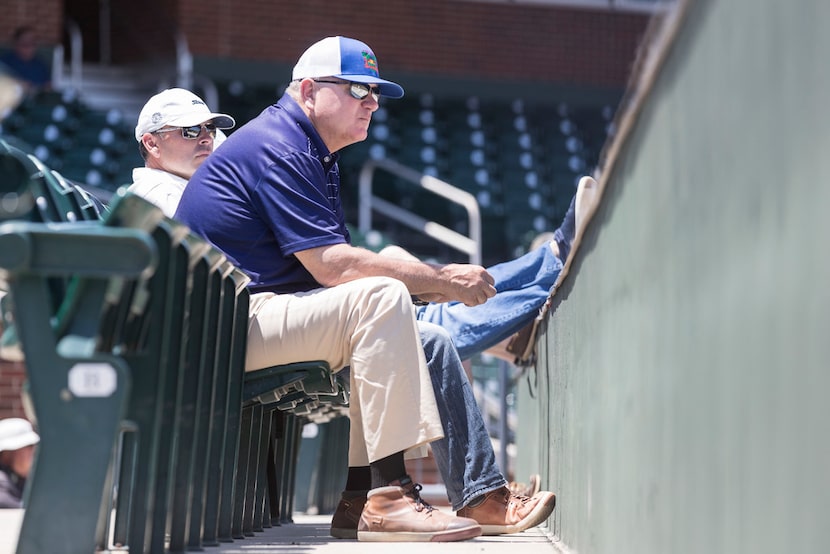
(347,59)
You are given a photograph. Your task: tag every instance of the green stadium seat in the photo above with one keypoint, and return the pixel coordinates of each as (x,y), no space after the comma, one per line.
(79,426)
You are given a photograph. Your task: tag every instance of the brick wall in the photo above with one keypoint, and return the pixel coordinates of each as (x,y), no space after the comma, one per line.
(462,39)
(45,16)
(433,37)
(12,375)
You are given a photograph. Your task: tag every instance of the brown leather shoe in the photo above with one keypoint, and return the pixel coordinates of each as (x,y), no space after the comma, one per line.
(345,518)
(397,514)
(503,512)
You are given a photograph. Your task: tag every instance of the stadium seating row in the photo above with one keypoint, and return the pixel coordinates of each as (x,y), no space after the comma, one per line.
(85,145)
(520,159)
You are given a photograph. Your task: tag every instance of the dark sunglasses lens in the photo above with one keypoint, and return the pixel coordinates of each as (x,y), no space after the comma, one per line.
(191,132)
(359,90)
(362,90)
(194,131)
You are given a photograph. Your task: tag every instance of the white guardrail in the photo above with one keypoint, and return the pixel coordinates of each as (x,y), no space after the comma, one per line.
(369,203)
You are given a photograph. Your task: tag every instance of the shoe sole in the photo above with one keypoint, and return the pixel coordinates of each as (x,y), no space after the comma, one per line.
(539,514)
(586,192)
(403,536)
(340,533)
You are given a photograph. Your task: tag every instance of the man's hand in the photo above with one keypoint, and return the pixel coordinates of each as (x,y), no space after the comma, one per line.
(340,263)
(468,283)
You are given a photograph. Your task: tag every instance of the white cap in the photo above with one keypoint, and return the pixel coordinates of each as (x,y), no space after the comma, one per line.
(177,107)
(346,58)
(15,433)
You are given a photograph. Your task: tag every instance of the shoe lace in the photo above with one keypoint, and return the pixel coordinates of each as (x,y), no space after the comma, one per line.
(420,503)
(517,497)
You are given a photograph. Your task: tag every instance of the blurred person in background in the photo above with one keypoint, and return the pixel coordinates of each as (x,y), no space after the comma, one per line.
(17,449)
(22,63)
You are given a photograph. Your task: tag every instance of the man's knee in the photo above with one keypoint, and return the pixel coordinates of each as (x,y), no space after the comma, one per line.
(434,337)
(379,295)
(387,287)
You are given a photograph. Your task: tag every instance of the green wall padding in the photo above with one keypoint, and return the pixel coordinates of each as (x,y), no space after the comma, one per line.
(680,401)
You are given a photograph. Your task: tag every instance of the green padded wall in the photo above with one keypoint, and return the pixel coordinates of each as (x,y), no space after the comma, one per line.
(680,402)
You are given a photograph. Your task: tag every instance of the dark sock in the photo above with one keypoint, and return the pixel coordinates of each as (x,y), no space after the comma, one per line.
(564,235)
(387,469)
(359,478)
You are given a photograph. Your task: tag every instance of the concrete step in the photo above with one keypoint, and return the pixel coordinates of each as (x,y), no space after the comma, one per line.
(124,88)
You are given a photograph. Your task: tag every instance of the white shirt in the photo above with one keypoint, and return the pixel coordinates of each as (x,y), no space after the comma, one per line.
(159,187)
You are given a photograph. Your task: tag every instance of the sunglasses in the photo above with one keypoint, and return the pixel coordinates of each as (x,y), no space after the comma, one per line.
(357,90)
(192,132)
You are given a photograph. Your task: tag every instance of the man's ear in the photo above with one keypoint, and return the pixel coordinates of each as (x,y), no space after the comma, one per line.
(306,92)
(151,143)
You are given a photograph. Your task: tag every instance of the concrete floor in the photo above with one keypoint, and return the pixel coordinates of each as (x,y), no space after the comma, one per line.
(310,534)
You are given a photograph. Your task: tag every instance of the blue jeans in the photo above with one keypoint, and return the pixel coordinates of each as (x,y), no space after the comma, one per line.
(522,287)
(465,455)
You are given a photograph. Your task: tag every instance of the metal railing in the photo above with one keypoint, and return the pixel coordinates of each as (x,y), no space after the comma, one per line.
(76,51)
(186,78)
(369,203)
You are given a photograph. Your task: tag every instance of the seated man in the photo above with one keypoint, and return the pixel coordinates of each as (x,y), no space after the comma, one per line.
(270,200)
(175,133)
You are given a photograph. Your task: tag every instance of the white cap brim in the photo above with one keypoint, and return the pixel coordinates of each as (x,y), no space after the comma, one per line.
(222,121)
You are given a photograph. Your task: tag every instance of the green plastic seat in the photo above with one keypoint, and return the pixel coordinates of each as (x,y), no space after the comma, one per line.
(79,394)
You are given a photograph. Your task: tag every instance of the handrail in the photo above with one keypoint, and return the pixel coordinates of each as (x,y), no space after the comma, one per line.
(105,27)
(368,202)
(184,63)
(57,66)
(76,52)
(210,92)
(185,78)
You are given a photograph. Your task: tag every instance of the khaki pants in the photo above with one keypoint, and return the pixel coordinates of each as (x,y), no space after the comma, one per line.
(369,325)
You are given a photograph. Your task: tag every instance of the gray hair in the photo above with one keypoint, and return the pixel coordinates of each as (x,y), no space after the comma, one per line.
(293,90)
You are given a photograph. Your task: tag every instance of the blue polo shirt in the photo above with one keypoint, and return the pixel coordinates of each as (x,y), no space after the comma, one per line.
(271,190)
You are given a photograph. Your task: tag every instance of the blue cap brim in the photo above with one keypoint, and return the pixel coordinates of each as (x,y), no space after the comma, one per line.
(386,88)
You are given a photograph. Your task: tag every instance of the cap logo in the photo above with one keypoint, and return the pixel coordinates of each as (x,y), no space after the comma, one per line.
(157,117)
(370,62)
(197,102)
